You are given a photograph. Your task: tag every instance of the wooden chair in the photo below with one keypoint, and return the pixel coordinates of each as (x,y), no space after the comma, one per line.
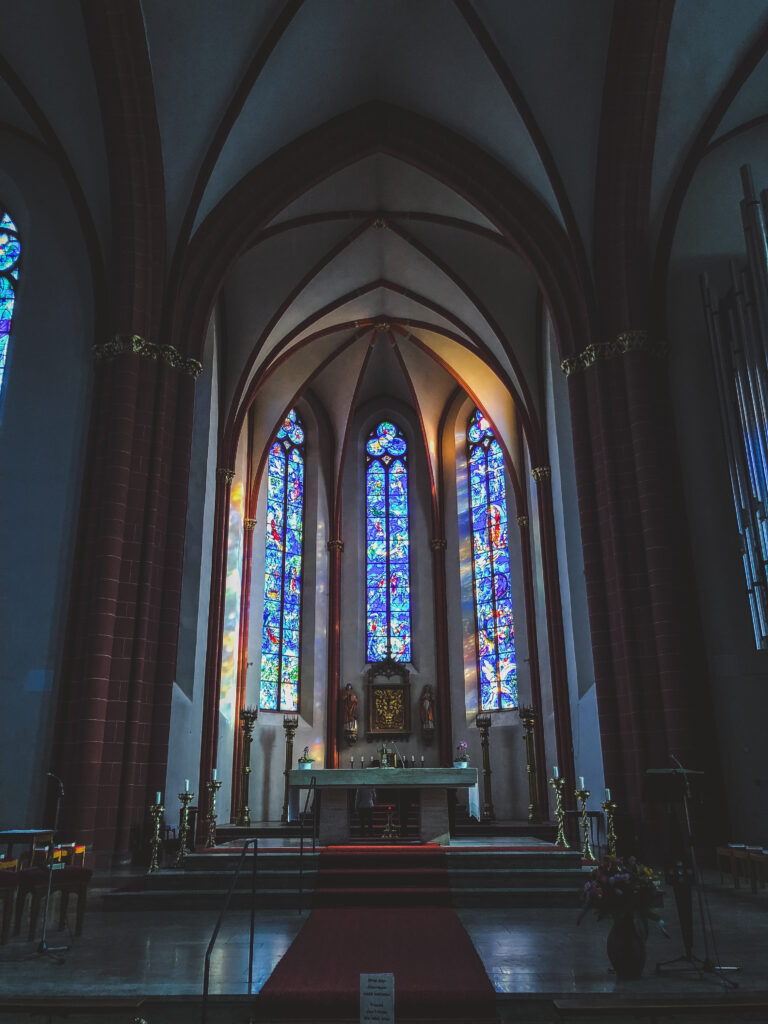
(9,884)
(65,881)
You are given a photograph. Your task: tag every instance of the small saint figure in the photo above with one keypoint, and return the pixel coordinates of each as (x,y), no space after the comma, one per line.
(427,709)
(349,701)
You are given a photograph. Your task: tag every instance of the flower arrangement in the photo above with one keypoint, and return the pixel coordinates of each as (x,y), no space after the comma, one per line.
(305,758)
(461,752)
(620,888)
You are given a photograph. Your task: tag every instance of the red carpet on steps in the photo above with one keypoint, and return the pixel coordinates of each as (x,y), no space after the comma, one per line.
(382,876)
(438,974)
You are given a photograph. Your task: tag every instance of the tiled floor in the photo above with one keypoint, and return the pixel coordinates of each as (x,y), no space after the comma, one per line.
(524,951)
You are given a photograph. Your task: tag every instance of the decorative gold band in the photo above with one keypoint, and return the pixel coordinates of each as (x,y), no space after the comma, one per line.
(335,545)
(135,344)
(627,341)
(227,475)
(541,473)
(248,524)
(522,520)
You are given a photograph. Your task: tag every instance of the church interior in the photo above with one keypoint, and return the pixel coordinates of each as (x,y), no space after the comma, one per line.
(383,397)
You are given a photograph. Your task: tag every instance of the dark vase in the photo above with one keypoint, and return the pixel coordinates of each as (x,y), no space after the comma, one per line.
(626,949)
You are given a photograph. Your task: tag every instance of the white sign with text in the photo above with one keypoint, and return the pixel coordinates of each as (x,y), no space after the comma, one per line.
(377,999)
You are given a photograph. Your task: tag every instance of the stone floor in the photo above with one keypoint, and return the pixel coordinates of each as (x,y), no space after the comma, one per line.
(529,955)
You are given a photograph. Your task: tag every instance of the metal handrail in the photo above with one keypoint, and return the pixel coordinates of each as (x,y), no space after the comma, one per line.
(312,788)
(206,975)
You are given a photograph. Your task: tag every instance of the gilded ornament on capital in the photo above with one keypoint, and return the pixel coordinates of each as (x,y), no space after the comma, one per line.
(626,341)
(541,473)
(121,344)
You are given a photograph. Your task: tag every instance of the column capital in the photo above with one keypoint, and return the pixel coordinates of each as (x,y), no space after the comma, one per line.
(438,543)
(248,524)
(122,344)
(540,473)
(625,341)
(522,521)
(225,475)
(335,545)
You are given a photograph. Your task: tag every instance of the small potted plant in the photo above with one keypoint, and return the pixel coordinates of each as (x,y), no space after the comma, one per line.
(461,758)
(305,761)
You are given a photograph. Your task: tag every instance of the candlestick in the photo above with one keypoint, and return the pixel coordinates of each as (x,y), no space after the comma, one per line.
(186,799)
(213,786)
(528,719)
(610,829)
(483,723)
(290,725)
(557,784)
(156,812)
(351,762)
(581,795)
(247,720)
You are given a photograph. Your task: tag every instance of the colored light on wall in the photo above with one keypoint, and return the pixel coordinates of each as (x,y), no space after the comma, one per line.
(232,597)
(10,252)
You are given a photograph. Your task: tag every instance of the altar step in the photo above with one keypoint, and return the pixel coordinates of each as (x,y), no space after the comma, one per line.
(475,878)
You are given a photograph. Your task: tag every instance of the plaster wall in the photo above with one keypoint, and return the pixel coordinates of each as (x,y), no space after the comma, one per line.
(43,433)
(189,687)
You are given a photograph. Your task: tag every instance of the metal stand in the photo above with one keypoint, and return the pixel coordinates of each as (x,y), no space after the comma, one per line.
(682,889)
(43,948)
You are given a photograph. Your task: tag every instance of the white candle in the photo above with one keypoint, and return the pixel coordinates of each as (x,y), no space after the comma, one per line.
(213,773)
(422,760)
(186,785)
(555,772)
(581,782)
(607,795)
(158,798)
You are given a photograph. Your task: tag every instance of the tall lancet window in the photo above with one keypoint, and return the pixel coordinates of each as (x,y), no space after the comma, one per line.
(10,252)
(283,563)
(387,577)
(497,668)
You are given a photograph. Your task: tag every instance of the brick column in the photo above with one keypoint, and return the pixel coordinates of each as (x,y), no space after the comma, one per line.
(112,727)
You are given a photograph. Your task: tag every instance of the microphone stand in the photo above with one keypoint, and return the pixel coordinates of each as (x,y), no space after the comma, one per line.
(707,965)
(43,948)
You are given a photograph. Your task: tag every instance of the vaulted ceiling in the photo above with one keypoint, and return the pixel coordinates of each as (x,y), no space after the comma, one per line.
(381,247)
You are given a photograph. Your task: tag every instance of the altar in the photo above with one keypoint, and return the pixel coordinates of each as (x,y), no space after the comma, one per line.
(430,784)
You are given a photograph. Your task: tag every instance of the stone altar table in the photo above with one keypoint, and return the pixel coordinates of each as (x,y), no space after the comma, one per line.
(432,785)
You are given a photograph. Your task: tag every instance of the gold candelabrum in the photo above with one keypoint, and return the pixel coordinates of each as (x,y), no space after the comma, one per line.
(390,830)
(609,807)
(186,800)
(557,784)
(156,812)
(483,723)
(213,787)
(528,719)
(248,717)
(290,724)
(586,849)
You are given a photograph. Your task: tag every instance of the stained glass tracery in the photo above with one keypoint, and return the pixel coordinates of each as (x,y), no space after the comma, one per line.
(497,667)
(283,563)
(387,580)
(10,253)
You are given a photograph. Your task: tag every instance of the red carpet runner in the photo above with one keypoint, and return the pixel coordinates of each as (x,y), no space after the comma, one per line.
(438,974)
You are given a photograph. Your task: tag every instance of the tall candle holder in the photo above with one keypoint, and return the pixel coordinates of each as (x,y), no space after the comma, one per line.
(186,800)
(213,786)
(609,807)
(586,849)
(483,723)
(290,724)
(156,811)
(247,719)
(557,784)
(528,719)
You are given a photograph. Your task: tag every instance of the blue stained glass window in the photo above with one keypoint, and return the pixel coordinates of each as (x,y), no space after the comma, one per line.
(496,662)
(281,637)
(387,572)
(10,252)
